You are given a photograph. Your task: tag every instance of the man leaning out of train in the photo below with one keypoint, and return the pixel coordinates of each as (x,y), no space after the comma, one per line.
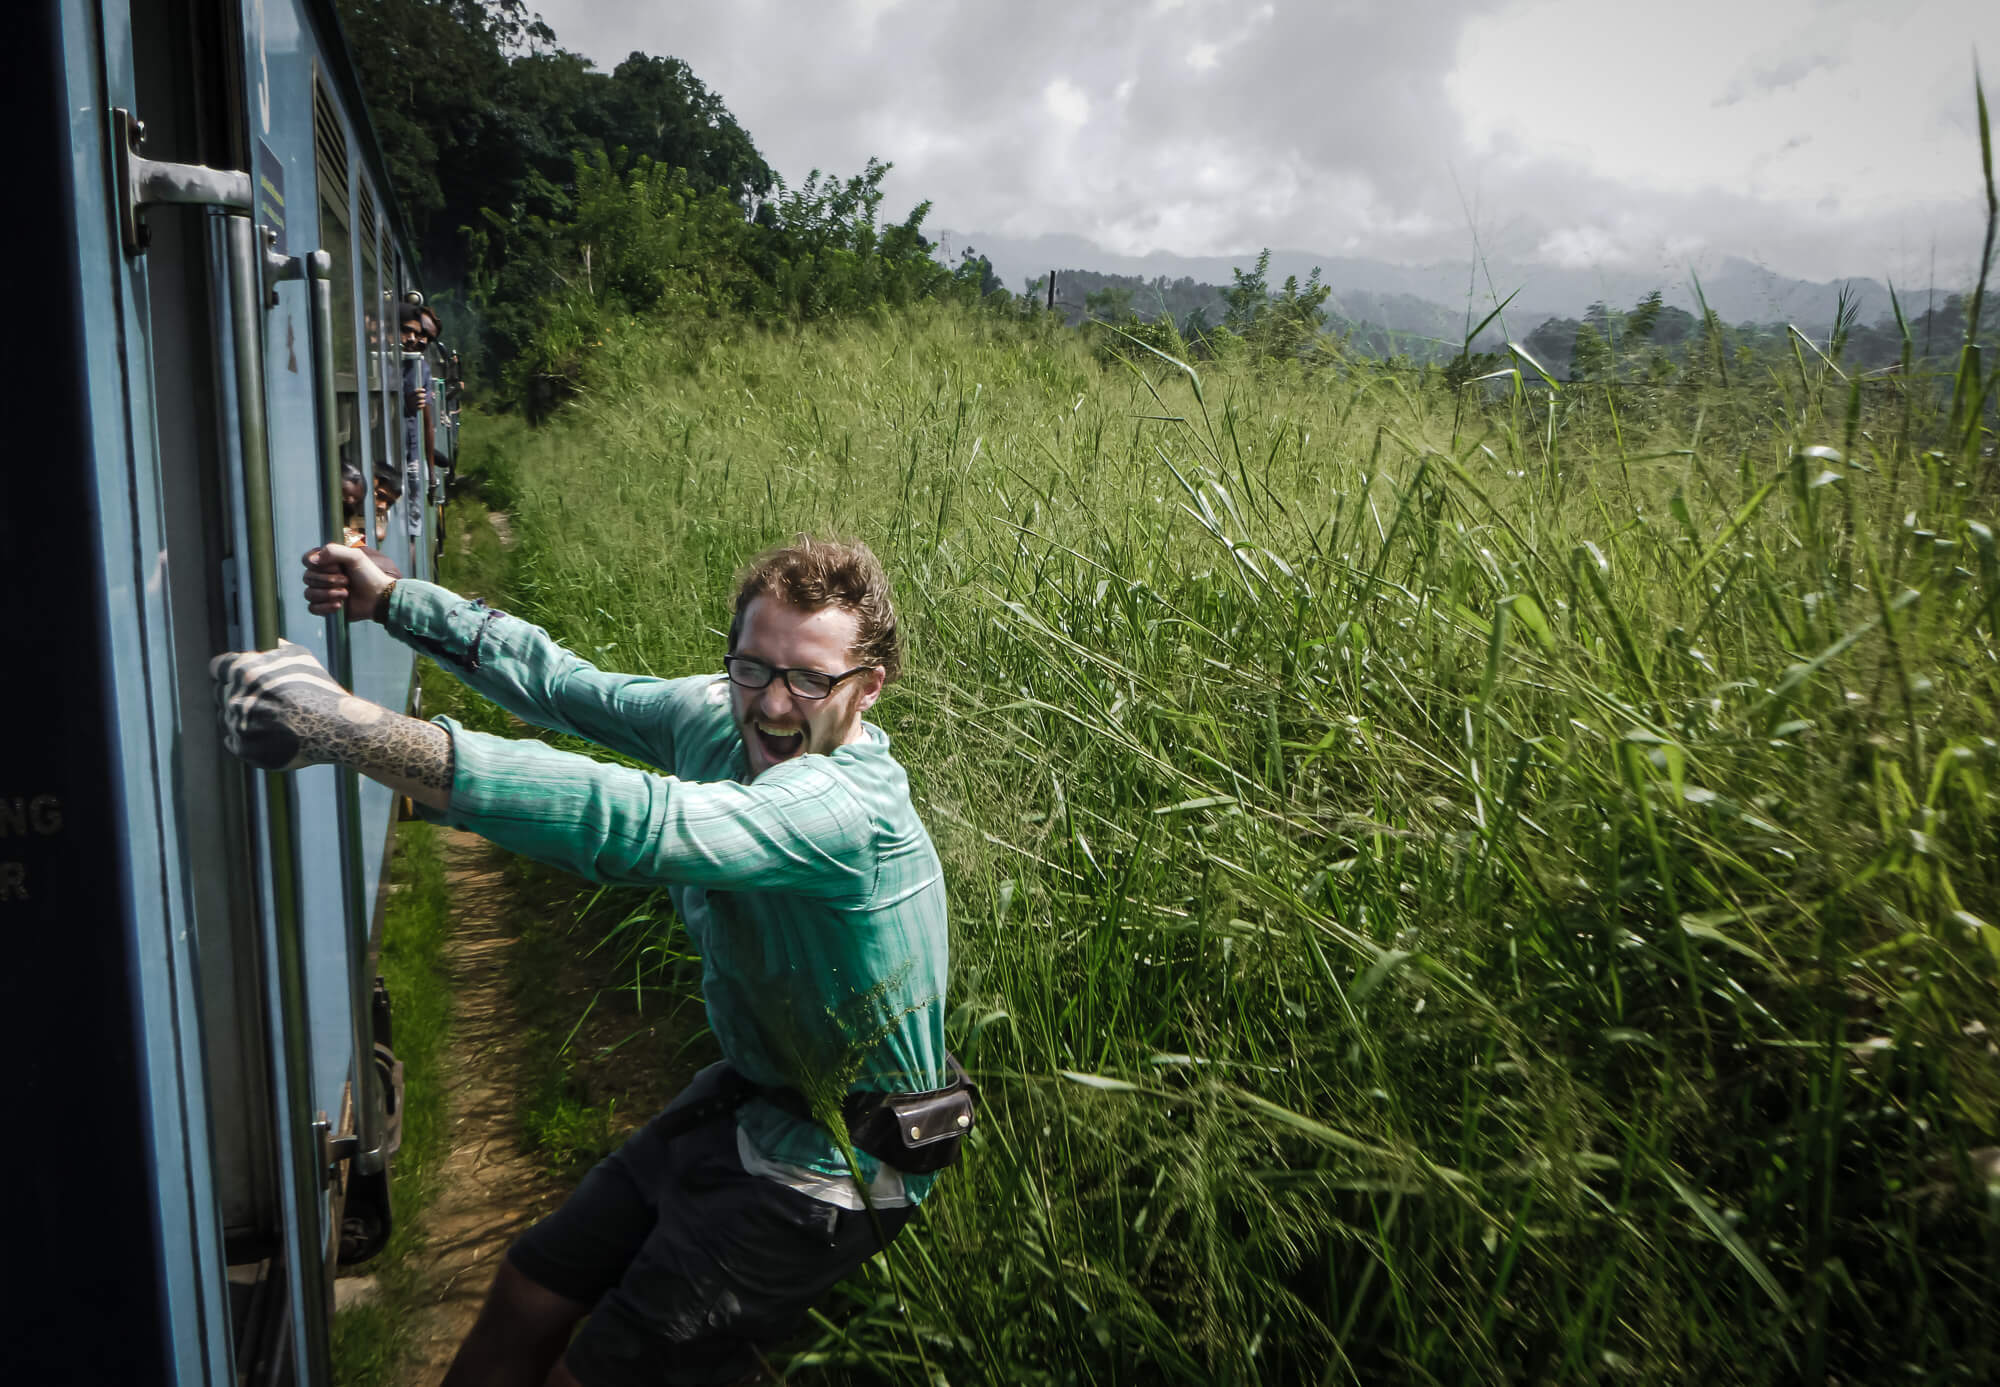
(783,829)
(417,426)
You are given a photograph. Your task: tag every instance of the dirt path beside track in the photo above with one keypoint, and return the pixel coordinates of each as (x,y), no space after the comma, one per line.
(488,1191)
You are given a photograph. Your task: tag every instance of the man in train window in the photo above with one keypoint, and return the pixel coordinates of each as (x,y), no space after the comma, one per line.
(417,428)
(784,831)
(437,405)
(388,490)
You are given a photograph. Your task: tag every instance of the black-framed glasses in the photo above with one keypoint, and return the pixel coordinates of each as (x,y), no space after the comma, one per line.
(805,683)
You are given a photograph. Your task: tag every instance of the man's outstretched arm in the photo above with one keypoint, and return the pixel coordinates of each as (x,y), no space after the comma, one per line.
(513,662)
(798,830)
(281,710)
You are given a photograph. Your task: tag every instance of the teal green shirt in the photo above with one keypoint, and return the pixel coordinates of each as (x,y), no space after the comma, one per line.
(813,893)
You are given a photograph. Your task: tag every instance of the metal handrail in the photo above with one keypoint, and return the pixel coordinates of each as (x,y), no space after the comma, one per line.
(368,1154)
(247,297)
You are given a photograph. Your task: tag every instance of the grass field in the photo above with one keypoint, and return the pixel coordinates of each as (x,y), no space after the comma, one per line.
(1448,887)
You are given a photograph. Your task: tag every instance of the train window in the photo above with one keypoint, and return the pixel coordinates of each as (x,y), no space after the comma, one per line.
(336,238)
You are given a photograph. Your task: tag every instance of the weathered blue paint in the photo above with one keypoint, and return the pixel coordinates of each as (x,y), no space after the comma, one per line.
(142,701)
(154,1279)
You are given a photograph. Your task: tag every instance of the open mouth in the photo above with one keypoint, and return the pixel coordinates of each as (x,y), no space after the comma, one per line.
(780,743)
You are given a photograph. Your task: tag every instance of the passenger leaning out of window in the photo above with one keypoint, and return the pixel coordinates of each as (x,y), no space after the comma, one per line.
(388,491)
(353,505)
(437,403)
(417,428)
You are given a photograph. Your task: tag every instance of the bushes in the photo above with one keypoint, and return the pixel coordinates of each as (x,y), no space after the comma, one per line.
(642,240)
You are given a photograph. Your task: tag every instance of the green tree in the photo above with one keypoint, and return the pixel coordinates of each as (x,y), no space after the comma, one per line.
(1644,318)
(477,107)
(1248,298)
(1298,315)
(1591,358)
(1111,304)
(1282,325)
(658,108)
(641,236)
(431,70)
(973,277)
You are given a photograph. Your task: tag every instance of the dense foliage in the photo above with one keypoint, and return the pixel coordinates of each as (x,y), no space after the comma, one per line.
(1651,343)
(477,108)
(1656,343)
(552,199)
(642,239)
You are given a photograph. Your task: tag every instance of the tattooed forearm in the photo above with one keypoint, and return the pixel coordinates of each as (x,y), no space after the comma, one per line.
(405,753)
(281,710)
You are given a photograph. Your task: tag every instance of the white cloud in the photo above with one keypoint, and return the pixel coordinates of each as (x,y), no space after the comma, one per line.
(1826,136)
(1663,100)
(1066,102)
(1579,247)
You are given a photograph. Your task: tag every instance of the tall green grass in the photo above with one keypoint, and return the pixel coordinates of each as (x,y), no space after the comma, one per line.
(1448,887)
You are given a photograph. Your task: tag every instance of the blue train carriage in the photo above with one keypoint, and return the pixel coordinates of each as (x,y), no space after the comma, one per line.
(210,268)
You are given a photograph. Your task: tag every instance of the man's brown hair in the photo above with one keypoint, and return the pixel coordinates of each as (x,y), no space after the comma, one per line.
(809,574)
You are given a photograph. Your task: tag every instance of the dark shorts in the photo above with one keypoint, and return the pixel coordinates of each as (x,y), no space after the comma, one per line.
(689,1261)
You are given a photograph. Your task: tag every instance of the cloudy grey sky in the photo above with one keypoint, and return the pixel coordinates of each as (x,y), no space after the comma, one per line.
(1823,137)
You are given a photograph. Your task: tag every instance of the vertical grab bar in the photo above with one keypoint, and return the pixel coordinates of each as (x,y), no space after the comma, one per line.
(247,296)
(368,1154)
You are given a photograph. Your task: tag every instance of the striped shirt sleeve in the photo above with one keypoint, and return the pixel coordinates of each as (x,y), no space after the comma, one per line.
(521,667)
(797,829)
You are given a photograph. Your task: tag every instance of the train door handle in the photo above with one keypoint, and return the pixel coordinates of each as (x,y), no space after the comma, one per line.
(318,270)
(249,293)
(144,182)
(279,268)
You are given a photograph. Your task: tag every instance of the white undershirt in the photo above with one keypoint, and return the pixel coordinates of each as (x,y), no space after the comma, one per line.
(885,1190)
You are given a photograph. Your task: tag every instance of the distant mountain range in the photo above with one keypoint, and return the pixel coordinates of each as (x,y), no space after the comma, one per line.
(1421,298)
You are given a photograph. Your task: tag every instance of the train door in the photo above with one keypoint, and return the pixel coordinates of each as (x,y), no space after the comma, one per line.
(121,363)
(91,994)
(194,115)
(198,926)
(230,339)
